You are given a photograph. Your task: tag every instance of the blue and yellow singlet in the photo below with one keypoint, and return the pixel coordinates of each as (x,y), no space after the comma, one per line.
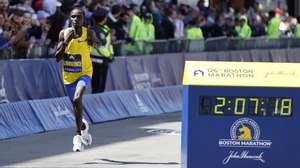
(77,61)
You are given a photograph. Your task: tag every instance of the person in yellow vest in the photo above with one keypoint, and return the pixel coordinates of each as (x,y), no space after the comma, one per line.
(272,28)
(148,33)
(243,29)
(194,35)
(135,31)
(193,31)
(73,52)
(102,56)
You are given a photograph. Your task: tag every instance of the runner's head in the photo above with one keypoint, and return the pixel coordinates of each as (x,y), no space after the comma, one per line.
(77,17)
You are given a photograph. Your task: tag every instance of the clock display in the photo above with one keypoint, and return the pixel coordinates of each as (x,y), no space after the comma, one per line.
(246,106)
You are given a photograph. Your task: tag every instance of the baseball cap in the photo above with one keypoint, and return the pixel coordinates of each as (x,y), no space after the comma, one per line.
(42,14)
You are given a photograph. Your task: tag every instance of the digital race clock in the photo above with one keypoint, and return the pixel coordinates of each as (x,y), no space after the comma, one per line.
(246,106)
(240,115)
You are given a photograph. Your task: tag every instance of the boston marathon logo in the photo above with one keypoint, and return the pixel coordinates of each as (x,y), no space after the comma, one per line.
(245,132)
(199,72)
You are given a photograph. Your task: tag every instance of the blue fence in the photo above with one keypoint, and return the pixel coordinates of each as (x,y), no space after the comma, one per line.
(33,79)
(137,86)
(172,46)
(28,117)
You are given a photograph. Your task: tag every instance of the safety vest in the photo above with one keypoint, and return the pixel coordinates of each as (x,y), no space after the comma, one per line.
(194,33)
(273,28)
(245,31)
(106,48)
(149,32)
(297,31)
(136,28)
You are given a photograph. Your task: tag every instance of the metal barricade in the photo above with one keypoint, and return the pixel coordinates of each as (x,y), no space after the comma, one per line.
(125,48)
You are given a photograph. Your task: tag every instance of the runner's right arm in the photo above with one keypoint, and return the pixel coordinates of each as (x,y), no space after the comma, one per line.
(62,44)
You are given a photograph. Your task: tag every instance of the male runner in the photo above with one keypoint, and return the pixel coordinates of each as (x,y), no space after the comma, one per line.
(74,51)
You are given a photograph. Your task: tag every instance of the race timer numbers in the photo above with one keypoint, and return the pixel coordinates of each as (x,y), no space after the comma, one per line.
(246,106)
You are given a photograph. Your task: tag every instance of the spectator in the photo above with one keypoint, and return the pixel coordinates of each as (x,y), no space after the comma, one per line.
(4,8)
(6,51)
(284,27)
(122,28)
(179,25)
(21,22)
(228,28)
(50,6)
(193,31)
(202,8)
(102,55)
(56,23)
(297,28)
(167,24)
(258,27)
(112,20)
(148,33)
(39,34)
(28,6)
(273,25)
(2,21)
(44,27)
(135,30)
(6,35)
(38,5)
(244,30)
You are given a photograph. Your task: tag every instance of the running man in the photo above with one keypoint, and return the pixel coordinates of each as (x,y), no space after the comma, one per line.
(74,51)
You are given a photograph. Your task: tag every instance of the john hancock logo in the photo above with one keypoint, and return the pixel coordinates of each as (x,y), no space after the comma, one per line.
(199,72)
(244,133)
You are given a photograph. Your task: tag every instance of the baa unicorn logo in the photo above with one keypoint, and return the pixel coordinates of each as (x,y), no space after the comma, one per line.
(245,133)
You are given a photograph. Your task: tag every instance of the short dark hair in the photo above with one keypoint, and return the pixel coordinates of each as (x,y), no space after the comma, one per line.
(116,9)
(78,8)
(272,13)
(100,14)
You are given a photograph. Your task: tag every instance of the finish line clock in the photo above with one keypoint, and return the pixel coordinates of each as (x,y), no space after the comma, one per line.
(241,115)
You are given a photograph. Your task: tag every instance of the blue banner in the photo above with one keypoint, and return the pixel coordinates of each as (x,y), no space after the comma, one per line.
(104,107)
(18,119)
(171,68)
(144,72)
(117,77)
(32,79)
(139,102)
(169,98)
(55,113)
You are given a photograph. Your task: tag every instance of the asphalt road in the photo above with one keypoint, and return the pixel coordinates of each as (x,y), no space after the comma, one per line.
(142,142)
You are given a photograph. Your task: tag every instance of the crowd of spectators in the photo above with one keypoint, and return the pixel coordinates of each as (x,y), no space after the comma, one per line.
(35,24)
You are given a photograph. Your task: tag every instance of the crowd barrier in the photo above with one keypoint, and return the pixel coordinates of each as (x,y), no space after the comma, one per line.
(210,44)
(123,48)
(35,116)
(32,79)
(136,86)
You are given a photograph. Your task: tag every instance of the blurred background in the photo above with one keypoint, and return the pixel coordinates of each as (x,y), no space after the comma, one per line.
(30,28)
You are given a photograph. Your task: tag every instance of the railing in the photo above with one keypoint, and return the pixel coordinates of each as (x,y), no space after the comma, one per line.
(123,48)
(211,44)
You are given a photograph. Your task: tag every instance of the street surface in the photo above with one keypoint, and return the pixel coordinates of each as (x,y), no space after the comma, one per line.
(142,142)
